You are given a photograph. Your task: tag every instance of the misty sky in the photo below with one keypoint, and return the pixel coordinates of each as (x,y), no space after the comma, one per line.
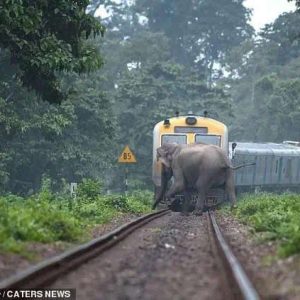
(266,11)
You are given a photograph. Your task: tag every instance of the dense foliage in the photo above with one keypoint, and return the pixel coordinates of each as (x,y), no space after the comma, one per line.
(57,141)
(158,58)
(201,33)
(153,72)
(39,41)
(266,91)
(277,216)
(43,37)
(23,220)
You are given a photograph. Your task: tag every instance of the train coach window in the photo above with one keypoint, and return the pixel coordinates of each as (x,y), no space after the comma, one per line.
(173,138)
(208,139)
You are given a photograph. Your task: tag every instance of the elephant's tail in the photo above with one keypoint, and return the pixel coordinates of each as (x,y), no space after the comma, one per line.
(241,166)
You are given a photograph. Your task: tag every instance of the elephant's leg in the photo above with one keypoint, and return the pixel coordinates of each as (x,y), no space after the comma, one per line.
(158,198)
(176,187)
(202,192)
(200,202)
(186,202)
(230,189)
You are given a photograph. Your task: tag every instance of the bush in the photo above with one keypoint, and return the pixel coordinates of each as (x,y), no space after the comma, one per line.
(277,215)
(35,220)
(144,196)
(135,202)
(89,189)
(47,217)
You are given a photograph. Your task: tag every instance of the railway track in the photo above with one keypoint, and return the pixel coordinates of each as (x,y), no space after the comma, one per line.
(49,270)
(240,284)
(42,275)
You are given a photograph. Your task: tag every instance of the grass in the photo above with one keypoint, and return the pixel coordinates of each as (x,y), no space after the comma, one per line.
(276,216)
(47,217)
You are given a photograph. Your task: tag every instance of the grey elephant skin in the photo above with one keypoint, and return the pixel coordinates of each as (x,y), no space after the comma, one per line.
(196,166)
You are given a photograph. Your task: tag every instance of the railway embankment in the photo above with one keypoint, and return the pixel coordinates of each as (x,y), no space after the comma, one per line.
(264,232)
(171,254)
(169,258)
(45,224)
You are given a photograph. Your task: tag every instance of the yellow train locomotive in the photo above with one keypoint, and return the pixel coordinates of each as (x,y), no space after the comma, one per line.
(189,129)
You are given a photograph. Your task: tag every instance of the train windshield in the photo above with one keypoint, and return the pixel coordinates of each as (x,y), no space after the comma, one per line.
(174,138)
(208,139)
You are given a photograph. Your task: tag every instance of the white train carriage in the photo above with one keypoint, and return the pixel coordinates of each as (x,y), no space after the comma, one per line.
(277,166)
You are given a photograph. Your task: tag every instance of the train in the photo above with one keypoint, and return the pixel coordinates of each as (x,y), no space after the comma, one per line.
(276,167)
(189,129)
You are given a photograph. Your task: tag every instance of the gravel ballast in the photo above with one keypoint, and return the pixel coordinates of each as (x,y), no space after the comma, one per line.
(170,258)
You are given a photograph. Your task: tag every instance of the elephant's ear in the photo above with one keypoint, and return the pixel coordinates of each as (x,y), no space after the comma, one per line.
(162,155)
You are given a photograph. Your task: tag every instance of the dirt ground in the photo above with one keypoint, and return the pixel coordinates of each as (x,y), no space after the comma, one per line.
(274,278)
(170,258)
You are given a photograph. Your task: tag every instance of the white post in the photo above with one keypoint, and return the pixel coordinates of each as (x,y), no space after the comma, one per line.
(73,188)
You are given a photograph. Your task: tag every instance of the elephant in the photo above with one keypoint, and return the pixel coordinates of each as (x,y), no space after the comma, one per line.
(195,166)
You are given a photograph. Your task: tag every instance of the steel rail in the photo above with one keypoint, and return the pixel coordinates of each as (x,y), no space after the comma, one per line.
(241,280)
(49,270)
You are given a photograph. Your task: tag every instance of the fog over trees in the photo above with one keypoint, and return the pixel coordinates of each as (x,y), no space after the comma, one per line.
(116,77)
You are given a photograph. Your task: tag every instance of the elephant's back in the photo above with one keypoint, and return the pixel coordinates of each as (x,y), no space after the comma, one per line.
(202,151)
(203,158)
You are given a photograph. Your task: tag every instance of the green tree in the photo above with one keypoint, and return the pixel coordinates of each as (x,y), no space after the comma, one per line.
(282,38)
(148,84)
(265,88)
(201,33)
(70,141)
(46,37)
(279,107)
(156,92)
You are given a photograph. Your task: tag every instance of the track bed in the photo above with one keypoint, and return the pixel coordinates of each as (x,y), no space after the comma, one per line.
(170,258)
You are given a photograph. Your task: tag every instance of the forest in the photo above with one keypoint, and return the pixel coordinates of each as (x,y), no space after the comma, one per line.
(75,88)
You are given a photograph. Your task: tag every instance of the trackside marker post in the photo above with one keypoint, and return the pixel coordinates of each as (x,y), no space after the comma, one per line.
(126,157)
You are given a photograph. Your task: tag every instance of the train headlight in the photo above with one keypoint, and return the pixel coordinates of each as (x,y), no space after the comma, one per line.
(191,120)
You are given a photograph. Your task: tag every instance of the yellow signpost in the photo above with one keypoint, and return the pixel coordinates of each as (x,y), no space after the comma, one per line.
(127,157)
